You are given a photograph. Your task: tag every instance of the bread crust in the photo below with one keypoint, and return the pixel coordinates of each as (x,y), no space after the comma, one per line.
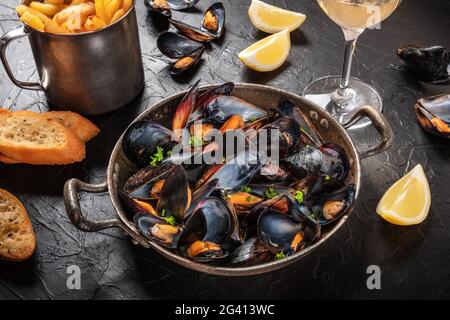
(82,127)
(72,151)
(22,249)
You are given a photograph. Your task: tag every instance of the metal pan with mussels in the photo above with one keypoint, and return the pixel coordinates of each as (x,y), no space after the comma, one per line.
(238,211)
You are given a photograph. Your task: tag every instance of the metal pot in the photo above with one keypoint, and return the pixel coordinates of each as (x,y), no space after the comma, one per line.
(120,169)
(91,72)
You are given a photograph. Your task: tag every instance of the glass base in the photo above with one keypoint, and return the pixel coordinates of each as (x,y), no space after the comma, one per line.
(323,92)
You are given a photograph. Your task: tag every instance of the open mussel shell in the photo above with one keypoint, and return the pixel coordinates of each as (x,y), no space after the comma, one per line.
(214,20)
(280,233)
(164,6)
(141,140)
(221,108)
(287,133)
(212,222)
(433,114)
(181,4)
(158,230)
(176,46)
(334,205)
(139,185)
(315,186)
(186,63)
(252,252)
(191,32)
(309,134)
(430,64)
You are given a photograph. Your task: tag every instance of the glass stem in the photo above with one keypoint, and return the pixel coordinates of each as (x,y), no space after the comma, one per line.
(350,43)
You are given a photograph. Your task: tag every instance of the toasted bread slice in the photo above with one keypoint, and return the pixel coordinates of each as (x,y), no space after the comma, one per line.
(17,239)
(82,127)
(7,160)
(28,137)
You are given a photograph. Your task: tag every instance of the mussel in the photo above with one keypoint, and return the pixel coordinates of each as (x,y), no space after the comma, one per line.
(314,186)
(429,64)
(145,138)
(211,28)
(329,160)
(164,6)
(158,230)
(251,252)
(184,110)
(433,114)
(334,205)
(210,226)
(176,46)
(187,62)
(220,108)
(287,133)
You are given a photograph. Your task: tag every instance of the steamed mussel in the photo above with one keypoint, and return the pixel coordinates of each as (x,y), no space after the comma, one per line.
(164,6)
(433,114)
(242,209)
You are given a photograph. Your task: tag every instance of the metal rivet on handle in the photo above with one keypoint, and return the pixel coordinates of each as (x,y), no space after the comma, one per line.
(324,123)
(314,115)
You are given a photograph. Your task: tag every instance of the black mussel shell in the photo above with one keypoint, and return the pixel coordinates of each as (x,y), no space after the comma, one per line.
(430,64)
(186,63)
(139,185)
(222,107)
(158,230)
(250,253)
(304,162)
(335,161)
(181,4)
(280,233)
(175,45)
(175,195)
(234,173)
(200,194)
(315,186)
(266,190)
(287,133)
(159,6)
(216,15)
(141,140)
(309,135)
(192,32)
(334,205)
(433,114)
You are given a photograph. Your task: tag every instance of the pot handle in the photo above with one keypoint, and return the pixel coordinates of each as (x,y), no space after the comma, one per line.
(5,41)
(71,190)
(380,122)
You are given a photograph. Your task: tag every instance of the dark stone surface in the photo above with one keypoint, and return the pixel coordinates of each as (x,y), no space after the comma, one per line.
(414,260)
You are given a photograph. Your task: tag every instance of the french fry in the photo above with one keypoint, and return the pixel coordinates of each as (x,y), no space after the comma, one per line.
(52,27)
(45,8)
(94,23)
(119,14)
(74,2)
(31,20)
(113,6)
(127,5)
(75,16)
(55,2)
(22,8)
(100,10)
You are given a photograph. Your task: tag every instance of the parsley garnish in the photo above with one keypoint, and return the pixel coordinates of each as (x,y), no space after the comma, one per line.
(270,193)
(327,178)
(170,220)
(250,198)
(279,256)
(157,157)
(299,197)
(163,212)
(195,141)
(169,153)
(246,189)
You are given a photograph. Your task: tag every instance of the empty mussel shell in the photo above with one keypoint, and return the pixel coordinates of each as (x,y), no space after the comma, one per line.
(175,45)
(214,20)
(433,114)
(191,32)
(429,64)
(164,6)
(186,63)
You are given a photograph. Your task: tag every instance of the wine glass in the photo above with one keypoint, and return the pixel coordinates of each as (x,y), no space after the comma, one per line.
(343,95)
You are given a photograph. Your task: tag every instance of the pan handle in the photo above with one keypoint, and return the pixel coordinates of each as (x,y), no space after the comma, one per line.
(380,122)
(72,189)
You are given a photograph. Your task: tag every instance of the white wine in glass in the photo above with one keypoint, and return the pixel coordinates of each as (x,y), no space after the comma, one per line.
(343,95)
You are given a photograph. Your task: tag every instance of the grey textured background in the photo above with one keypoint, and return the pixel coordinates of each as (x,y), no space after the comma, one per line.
(414,260)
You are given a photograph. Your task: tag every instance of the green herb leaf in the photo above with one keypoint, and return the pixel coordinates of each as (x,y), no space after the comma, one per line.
(195,141)
(157,157)
(246,189)
(250,198)
(279,256)
(327,178)
(270,193)
(170,220)
(299,197)
(169,153)
(163,212)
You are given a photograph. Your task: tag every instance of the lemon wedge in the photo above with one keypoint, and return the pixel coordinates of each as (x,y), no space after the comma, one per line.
(272,19)
(408,201)
(269,53)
